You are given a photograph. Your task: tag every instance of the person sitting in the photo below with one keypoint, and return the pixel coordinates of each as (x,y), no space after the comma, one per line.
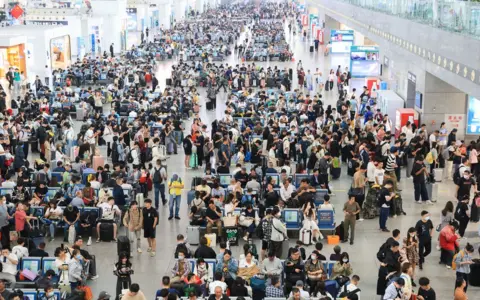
(326,203)
(181,268)
(218,294)
(272,265)
(39,251)
(192,286)
(20,250)
(342,267)
(218,282)
(228,266)
(275,289)
(166,289)
(109,210)
(336,255)
(204,251)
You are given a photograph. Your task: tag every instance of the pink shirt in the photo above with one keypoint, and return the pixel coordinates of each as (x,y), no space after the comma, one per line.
(20,217)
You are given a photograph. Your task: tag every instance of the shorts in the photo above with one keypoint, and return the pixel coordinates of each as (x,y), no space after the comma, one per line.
(105,221)
(149,232)
(264,245)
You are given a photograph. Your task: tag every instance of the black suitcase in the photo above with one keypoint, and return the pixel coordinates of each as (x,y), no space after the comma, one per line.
(169,81)
(327,86)
(270,83)
(196,181)
(335,172)
(106,232)
(209,105)
(123,244)
(311,48)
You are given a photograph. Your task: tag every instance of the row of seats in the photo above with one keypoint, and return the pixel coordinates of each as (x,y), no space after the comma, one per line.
(224,180)
(293,218)
(38,265)
(33,294)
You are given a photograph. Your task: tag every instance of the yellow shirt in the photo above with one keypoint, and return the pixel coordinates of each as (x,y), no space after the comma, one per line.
(176,187)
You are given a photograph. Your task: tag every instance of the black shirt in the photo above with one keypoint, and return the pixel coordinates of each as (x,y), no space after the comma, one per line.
(212,214)
(149,215)
(427,295)
(423,229)
(420,178)
(271,199)
(464,187)
(381,198)
(38,253)
(71,215)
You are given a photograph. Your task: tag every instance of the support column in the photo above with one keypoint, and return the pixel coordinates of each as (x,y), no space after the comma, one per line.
(115,16)
(180,7)
(199,5)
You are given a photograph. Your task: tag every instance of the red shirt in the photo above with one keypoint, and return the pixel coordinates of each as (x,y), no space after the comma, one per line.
(448,239)
(20,217)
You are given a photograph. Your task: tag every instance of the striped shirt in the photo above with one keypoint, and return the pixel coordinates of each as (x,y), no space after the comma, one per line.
(391,162)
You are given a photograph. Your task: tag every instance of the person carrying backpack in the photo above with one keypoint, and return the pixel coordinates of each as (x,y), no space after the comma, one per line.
(183,247)
(133,220)
(159,177)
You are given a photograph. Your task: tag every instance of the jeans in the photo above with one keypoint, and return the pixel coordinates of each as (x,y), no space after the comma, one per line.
(384,213)
(177,135)
(159,190)
(175,199)
(420,189)
(52,229)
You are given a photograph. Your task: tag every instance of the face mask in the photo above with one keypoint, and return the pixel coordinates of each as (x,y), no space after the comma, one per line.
(314,257)
(466,176)
(79,257)
(181,257)
(427,218)
(278,215)
(345,260)
(50,294)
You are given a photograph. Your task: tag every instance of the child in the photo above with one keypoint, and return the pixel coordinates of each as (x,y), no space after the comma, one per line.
(425,292)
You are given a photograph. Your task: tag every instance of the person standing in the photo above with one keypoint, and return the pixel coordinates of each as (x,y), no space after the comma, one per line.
(279,232)
(150,221)
(424,229)
(111,50)
(133,220)
(419,170)
(464,185)
(463,260)
(351,210)
(462,215)
(385,202)
(159,178)
(175,187)
(358,188)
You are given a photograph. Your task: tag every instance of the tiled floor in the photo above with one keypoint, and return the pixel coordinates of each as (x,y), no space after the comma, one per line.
(148,270)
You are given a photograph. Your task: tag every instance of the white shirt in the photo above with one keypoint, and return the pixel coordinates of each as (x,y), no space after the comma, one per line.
(108,211)
(136,156)
(285,194)
(89,137)
(351,287)
(303,294)
(20,251)
(379,174)
(432,138)
(371,171)
(8,266)
(70,134)
(9,184)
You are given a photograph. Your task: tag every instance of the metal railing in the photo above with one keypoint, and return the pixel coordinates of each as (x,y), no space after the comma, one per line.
(452,15)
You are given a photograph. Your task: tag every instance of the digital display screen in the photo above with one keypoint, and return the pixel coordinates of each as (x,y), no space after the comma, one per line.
(473,115)
(364,61)
(225,180)
(291,216)
(341,47)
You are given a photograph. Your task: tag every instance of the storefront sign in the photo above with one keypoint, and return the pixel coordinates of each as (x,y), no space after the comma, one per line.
(50,23)
(455,121)
(473,116)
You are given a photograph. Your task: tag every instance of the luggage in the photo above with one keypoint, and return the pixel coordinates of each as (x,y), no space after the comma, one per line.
(106,232)
(190,197)
(306,236)
(370,208)
(193,161)
(80,114)
(168,82)
(432,190)
(232,235)
(475,274)
(193,235)
(327,86)
(98,161)
(270,83)
(397,208)
(209,104)
(123,244)
(335,172)
(196,181)
(311,48)
(438,174)
(331,287)
(340,231)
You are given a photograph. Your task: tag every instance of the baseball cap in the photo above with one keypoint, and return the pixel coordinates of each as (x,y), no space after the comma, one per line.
(299,283)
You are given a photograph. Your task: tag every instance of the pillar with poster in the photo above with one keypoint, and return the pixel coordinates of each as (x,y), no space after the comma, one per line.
(403,115)
(456,121)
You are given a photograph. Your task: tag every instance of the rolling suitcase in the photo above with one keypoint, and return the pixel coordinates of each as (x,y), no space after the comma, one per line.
(98,161)
(193,235)
(438,174)
(80,114)
(74,152)
(306,236)
(311,48)
(106,232)
(335,172)
(168,82)
(190,197)
(123,244)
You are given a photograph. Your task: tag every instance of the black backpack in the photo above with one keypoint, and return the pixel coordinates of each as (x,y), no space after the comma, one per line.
(259,230)
(456,176)
(114,152)
(130,157)
(184,249)
(157,177)
(131,78)
(346,293)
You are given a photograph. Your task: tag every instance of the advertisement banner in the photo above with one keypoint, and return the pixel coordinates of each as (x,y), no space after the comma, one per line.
(341,40)
(455,121)
(473,116)
(132,18)
(60,52)
(364,61)
(304,20)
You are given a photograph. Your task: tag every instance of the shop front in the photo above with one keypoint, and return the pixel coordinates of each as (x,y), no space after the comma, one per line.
(12,54)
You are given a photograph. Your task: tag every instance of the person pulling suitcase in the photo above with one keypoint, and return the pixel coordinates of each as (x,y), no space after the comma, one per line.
(106,227)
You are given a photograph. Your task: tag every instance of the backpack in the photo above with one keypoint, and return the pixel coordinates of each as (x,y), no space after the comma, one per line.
(382,252)
(148,154)
(157,177)
(259,230)
(454,264)
(247,199)
(346,293)
(131,78)
(184,249)
(456,175)
(429,158)
(130,157)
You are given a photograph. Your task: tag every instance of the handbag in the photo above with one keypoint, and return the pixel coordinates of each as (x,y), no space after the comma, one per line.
(245,222)
(29,274)
(356,191)
(229,221)
(71,234)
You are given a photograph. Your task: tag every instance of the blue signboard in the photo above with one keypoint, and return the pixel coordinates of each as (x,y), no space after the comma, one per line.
(132,18)
(341,40)
(92,36)
(473,116)
(364,61)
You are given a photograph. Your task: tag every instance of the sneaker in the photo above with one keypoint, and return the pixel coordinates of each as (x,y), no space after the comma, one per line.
(149,249)
(438,247)
(114,240)
(360,220)
(152,254)
(245,238)
(98,240)
(139,250)
(418,202)
(448,267)
(351,243)
(51,239)
(170,218)
(429,202)
(177,217)
(94,277)
(89,243)
(394,216)
(385,230)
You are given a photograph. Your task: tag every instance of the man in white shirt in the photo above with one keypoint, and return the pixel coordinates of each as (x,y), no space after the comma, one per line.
(217,283)
(9,266)
(20,250)
(379,173)
(109,210)
(91,139)
(433,137)
(352,287)
(286,190)
(303,294)
(371,171)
